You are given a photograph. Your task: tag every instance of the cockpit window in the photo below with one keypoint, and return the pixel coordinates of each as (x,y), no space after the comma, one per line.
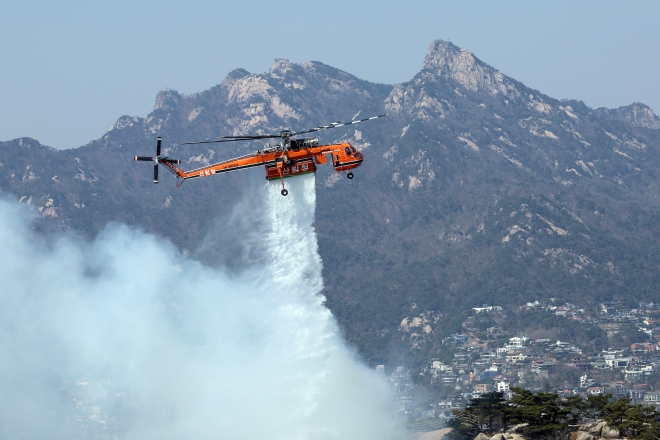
(348,151)
(353,149)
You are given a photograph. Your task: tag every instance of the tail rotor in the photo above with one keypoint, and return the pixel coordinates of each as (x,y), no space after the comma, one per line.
(158,159)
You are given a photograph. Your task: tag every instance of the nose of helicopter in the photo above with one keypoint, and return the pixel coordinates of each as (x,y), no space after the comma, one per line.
(359,157)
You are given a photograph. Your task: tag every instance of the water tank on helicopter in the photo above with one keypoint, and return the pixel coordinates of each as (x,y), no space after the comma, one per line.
(298,168)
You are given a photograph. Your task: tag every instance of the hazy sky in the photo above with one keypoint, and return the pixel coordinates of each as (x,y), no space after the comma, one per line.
(69,69)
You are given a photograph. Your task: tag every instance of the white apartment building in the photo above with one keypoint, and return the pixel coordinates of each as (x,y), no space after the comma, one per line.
(502,386)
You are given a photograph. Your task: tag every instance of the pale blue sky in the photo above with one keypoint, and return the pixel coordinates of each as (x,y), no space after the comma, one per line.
(69,69)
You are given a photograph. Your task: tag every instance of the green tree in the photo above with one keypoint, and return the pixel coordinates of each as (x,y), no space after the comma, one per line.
(543,412)
(546,414)
(464,426)
(633,334)
(489,411)
(595,404)
(652,432)
(577,404)
(629,419)
(488,408)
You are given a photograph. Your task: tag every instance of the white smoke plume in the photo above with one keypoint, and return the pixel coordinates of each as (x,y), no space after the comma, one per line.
(192,352)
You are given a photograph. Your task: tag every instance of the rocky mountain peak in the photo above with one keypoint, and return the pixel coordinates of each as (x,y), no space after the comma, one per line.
(635,114)
(640,115)
(125,121)
(280,67)
(444,59)
(441,54)
(167,99)
(232,77)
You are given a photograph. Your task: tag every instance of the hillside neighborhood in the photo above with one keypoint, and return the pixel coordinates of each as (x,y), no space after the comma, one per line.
(490,360)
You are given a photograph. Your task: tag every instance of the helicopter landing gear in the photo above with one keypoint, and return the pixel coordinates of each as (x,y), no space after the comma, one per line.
(280,170)
(349,175)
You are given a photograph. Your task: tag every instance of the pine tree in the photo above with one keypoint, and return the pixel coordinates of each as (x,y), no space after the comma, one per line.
(543,412)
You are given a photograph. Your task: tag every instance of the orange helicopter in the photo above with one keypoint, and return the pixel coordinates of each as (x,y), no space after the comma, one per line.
(288,158)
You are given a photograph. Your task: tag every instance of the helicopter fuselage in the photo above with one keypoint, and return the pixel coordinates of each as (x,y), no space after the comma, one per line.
(281,162)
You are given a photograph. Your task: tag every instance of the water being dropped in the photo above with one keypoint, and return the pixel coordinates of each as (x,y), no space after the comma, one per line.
(198,352)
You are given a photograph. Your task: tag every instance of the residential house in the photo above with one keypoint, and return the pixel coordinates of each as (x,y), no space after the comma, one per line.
(482,388)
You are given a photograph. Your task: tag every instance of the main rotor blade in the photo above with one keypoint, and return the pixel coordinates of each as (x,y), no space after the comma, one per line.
(234,138)
(256,136)
(156,172)
(291,134)
(320,127)
(144,158)
(336,124)
(158,146)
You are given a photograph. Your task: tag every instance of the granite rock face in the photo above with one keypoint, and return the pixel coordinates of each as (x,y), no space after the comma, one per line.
(584,436)
(608,432)
(636,114)
(444,60)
